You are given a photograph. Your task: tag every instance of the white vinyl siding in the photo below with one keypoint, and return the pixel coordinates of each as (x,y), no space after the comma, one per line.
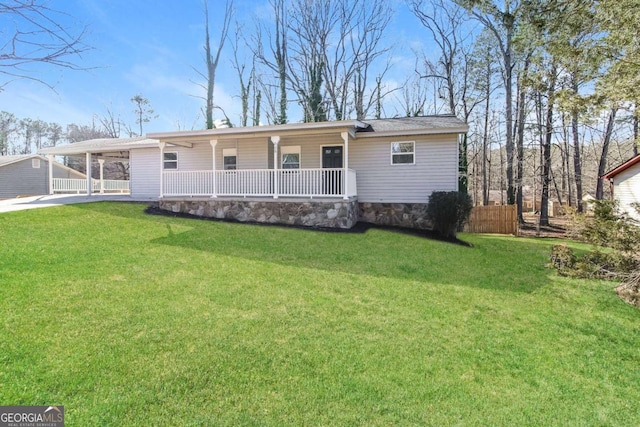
(435,169)
(310,148)
(627,189)
(403,153)
(250,153)
(195,159)
(144,171)
(170,160)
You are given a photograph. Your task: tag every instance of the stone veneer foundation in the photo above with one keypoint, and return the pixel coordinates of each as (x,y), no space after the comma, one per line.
(325,213)
(322,213)
(408,215)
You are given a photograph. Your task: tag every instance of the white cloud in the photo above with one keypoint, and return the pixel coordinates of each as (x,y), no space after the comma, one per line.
(36,101)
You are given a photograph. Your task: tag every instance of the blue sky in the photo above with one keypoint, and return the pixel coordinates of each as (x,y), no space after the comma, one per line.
(151,47)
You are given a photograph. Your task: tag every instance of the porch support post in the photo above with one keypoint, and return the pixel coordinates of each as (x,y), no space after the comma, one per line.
(50,158)
(162,145)
(88,170)
(101,161)
(345,138)
(213,143)
(275,140)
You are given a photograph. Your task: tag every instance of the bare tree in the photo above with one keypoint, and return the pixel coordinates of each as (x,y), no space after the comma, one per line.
(270,48)
(246,83)
(414,97)
(342,40)
(35,35)
(452,71)
(213,58)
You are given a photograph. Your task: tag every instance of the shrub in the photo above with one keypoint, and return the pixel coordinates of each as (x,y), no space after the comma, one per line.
(448,211)
(616,254)
(610,228)
(562,259)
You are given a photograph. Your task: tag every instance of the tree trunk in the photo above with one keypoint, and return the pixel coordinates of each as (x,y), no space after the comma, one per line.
(605,151)
(511,193)
(577,162)
(546,149)
(520,138)
(485,149)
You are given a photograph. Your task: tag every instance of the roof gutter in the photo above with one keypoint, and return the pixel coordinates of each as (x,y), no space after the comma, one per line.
(439,131)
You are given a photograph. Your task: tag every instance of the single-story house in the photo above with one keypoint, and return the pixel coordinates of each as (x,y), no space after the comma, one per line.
(325,174)
(29,175)
(625,185)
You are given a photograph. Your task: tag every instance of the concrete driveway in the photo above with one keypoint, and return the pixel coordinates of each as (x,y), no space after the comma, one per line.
(34,202)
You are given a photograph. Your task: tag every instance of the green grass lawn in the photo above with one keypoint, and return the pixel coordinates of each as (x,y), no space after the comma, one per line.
(132,319)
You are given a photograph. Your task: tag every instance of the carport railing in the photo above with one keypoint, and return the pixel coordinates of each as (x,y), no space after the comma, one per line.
(70,185)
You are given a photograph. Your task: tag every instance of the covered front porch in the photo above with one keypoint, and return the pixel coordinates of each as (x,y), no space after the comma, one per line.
(299,175)
(273,183)
(290,165)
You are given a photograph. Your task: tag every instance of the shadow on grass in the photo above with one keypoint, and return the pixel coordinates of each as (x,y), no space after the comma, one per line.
(505,264)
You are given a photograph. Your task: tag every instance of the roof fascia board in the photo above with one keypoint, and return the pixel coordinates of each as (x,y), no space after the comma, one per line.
(626,165)
(439,131)
(68,150)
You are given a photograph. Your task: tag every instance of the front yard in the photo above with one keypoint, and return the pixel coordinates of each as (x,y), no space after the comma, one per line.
(132,319)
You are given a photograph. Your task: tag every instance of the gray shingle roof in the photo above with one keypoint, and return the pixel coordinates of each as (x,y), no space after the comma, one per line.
(436,123)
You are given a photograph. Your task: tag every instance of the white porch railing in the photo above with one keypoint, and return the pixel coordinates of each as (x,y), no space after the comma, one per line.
(69,185)
(261,183)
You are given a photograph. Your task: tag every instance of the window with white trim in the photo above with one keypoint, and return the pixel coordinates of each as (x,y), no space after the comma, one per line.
(35,163)
(229,159)
(170,160)
(403,153)
(290,157)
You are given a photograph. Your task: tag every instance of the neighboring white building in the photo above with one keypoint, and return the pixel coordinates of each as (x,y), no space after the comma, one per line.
(625,185)
(326,174)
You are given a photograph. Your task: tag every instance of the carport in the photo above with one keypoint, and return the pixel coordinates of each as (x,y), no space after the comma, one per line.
(102,150)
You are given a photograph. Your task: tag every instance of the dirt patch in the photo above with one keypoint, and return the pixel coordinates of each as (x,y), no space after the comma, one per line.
(557,227)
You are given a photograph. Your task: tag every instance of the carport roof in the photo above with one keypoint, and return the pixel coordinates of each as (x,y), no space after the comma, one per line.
(101,145)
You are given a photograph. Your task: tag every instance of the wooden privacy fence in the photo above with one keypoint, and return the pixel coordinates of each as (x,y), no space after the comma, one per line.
(493,219)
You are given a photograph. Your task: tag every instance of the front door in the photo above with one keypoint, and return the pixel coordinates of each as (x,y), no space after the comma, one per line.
(332,179)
